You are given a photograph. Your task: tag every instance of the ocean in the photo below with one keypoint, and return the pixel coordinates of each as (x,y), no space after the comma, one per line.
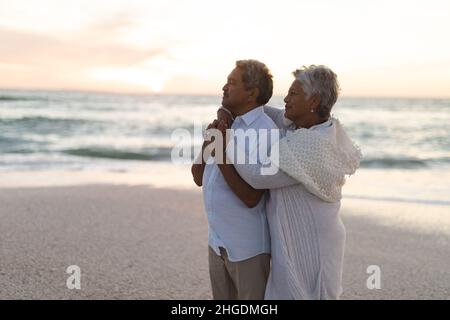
(45,130)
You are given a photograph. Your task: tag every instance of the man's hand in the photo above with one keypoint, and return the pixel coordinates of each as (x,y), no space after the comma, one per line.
(198,168)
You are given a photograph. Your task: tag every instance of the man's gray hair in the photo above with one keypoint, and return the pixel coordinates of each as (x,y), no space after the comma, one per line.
(319,80)
(257,75)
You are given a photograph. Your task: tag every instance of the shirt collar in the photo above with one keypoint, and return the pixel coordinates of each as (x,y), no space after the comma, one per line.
(322,125)
(251,115)
(291,126)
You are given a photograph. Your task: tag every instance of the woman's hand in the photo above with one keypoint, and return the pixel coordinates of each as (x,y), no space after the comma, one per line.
(213,125)
(208,138)
(222,126)
(225,117)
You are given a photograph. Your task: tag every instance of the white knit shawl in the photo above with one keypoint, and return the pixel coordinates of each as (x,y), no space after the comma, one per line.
(317,160)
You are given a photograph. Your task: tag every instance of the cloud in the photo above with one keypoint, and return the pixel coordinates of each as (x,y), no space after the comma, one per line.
(79,51)
(37,59)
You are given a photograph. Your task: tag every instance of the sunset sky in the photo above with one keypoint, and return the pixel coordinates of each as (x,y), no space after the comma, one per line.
(377,48)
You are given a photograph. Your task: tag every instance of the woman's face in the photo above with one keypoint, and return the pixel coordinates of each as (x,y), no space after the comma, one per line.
(297,106)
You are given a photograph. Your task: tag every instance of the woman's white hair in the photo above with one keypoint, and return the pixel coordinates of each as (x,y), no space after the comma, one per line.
(319,80)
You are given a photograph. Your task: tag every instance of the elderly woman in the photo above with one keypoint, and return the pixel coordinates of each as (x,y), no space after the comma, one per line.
(313,155)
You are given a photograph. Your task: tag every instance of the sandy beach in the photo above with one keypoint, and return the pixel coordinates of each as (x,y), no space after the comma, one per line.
(142,242)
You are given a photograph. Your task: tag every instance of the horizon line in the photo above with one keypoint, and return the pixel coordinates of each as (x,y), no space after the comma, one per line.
(150,93)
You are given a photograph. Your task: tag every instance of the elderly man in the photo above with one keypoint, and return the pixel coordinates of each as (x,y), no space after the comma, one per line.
(239,243)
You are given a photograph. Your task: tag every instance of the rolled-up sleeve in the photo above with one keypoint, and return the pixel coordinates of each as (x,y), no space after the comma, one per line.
(252,174)
(252,160)
(261,175)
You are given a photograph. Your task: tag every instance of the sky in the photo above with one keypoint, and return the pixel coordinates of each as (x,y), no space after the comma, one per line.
(377,48)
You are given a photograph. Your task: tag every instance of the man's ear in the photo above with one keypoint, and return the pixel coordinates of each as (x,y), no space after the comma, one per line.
(254,94)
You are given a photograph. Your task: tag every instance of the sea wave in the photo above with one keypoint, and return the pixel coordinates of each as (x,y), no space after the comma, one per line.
(402,163)
(10,140)
(43,120)
(164,153)
(85,127)
(44,126)
(22,98)
(111,153)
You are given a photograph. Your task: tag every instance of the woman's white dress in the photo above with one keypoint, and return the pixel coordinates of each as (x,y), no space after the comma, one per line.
(307,234)
(319,245)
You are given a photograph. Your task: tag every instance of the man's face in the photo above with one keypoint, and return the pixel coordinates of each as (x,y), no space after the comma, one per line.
(234,93)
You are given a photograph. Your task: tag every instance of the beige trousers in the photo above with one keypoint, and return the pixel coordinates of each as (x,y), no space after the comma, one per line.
(242,280)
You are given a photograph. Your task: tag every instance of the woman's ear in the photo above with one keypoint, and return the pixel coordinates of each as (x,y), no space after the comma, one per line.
(314,102)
